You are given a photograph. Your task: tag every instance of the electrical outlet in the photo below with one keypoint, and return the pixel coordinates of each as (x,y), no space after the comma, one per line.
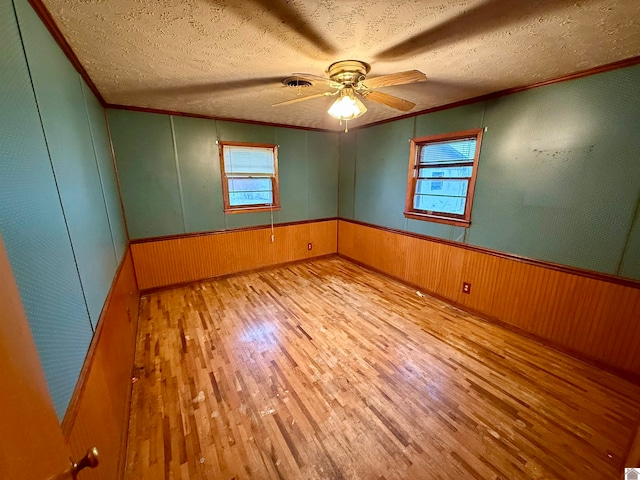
(309,246)
(466,287)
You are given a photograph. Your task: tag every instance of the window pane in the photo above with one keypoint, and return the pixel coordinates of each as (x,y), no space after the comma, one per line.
(449,152)
(249,184)
(248,160)
(433,203)
(237,199)
(452,188)
(457,172)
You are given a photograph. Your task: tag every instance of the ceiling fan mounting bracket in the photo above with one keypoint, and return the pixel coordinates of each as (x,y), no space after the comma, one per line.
(297,82)
(348,72)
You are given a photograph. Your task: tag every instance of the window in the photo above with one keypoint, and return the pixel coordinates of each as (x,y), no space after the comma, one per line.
(249,177)
(442,177)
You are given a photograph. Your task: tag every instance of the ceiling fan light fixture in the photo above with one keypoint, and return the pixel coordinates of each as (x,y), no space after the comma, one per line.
(348,80)
(347,107)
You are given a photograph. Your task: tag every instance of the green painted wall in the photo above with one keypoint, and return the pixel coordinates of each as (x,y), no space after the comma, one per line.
(558,178)
(346,175)
(169,170)
(59,207)
(379,153)
(60,96)
(195,147)
(150,192)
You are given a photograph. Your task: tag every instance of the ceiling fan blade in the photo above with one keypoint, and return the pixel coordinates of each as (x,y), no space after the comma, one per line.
(479,19)
(302,99)
(287,14)
(316,78)
(400,78)
(390,101)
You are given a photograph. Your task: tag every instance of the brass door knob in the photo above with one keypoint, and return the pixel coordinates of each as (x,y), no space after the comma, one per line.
(90,459)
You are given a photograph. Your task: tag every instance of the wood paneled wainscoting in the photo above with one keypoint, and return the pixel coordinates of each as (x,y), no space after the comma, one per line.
(98,414)
(591,316)
(169,261)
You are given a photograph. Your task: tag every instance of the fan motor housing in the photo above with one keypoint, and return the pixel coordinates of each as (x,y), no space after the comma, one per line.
(348,72)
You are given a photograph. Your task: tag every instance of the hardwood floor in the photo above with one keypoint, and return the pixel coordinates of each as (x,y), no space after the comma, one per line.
(326,370)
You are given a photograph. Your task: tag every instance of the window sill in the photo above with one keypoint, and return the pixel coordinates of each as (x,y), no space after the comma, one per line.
(251,209)
(436,219)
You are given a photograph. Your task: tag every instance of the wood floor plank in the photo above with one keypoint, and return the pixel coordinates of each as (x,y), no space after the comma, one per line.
(326,370)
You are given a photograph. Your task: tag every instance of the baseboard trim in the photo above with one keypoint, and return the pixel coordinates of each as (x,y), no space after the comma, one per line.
(624,374)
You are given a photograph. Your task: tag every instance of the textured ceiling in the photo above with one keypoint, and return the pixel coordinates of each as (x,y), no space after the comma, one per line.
(226,58)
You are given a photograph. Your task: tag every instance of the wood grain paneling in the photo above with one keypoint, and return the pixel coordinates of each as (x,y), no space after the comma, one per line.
(594,319)
(181,260)
(324,237)
(99,412)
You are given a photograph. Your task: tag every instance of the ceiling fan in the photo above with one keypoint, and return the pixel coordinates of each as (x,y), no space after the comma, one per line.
(349,80)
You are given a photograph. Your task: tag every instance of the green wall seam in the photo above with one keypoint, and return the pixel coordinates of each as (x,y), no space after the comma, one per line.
(216,123)
(634,221)
(306,177)
(414,134)
(465,231)
(95,155)
(179,178)
(46,141)
(115,169)
(339,158)
(355,177)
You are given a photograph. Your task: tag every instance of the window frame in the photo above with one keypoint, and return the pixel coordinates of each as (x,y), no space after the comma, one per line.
(275,187)
(463,220)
